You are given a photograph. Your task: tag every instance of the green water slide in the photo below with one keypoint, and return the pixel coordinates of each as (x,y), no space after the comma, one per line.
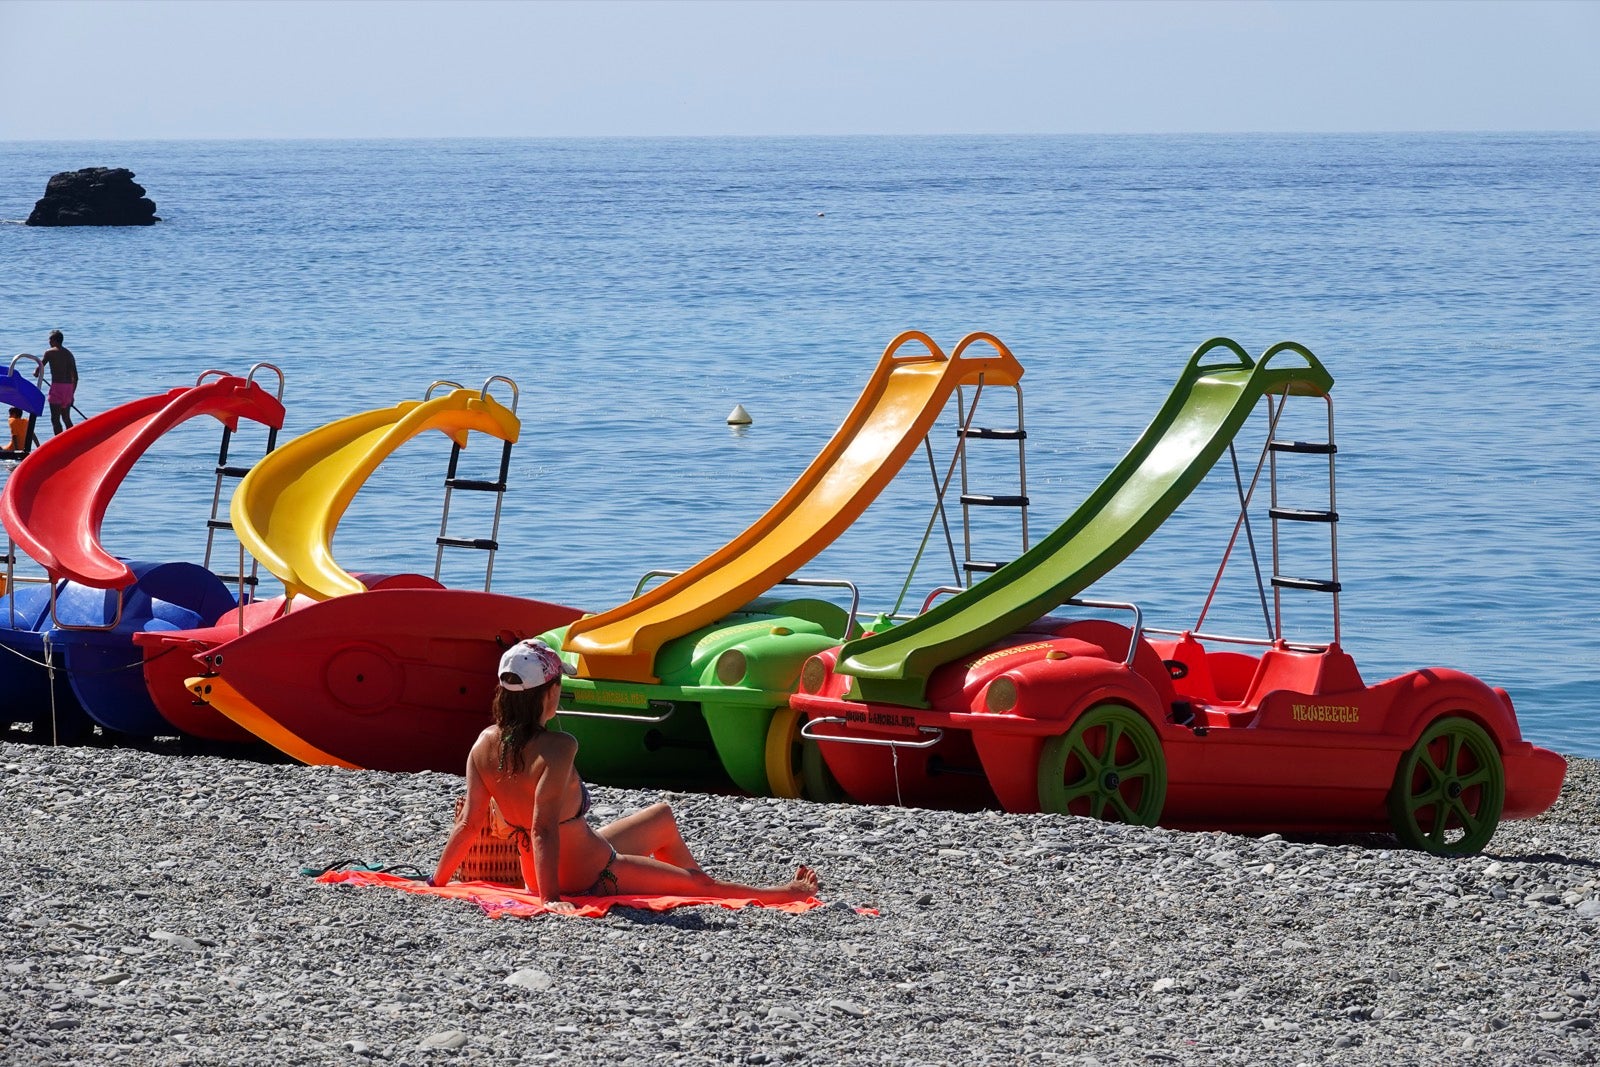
(1219,388)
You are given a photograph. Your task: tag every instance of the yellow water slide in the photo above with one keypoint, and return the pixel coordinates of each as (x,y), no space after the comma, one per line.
(901,402)
(286,510)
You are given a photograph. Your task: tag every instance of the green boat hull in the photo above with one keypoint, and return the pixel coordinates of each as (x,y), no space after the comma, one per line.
(705,725)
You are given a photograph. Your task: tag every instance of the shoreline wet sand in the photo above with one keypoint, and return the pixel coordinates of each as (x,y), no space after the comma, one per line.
(152,912)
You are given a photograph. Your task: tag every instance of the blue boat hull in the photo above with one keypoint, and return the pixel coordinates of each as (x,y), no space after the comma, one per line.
(94,640)
(25,680)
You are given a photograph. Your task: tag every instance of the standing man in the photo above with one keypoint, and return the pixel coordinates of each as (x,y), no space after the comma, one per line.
(63,381)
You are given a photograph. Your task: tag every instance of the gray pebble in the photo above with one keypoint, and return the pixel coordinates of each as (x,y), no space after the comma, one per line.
(188,944)
(445,1039)
(531,978)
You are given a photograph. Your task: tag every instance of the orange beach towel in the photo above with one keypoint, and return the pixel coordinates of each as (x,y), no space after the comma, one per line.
(502,901)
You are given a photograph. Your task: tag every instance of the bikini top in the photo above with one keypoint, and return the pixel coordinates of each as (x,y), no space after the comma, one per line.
(583,803)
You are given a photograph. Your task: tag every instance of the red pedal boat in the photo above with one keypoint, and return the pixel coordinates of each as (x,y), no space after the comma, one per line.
(990,698)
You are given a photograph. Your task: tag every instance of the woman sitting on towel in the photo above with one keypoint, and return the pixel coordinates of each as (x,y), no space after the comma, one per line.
(526,768)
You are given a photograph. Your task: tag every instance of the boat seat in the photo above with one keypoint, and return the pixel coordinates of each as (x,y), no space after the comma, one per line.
(1329,671)
(1231,674)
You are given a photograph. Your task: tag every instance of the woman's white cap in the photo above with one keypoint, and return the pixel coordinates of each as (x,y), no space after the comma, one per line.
(530,664)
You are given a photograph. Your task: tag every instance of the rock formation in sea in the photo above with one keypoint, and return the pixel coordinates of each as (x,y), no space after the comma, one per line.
(94,196)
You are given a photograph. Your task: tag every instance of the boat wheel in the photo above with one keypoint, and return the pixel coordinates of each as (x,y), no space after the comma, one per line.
(795,767)
(1108,766)
(1449,789)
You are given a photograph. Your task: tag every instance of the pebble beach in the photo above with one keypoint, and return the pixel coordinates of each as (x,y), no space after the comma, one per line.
(153,911)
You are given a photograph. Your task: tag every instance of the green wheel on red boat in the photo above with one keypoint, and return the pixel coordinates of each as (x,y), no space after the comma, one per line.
(1449,789)
(795,767)
(1108,766)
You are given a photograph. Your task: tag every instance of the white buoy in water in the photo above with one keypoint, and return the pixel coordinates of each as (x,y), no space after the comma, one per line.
(739,416)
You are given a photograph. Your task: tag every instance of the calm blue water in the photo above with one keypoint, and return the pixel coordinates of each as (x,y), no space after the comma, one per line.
(637,289)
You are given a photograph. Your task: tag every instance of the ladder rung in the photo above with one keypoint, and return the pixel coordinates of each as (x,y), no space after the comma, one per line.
(234,579)
(218,524)
(1303,515)
(986,434)
(483,543)
(1317,448)
(233,472)
(1319,585)
(473,483)
(979,565)
(994,501)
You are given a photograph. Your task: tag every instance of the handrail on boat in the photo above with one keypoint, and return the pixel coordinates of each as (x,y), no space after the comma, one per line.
(516,393)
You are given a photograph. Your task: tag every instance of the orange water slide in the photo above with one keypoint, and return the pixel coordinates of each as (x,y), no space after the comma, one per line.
(900,404)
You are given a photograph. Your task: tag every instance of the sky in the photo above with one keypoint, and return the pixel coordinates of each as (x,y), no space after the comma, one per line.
(158,69)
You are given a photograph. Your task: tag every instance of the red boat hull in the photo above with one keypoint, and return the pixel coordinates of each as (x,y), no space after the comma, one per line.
(1286,741)
(393,680)
(169,657)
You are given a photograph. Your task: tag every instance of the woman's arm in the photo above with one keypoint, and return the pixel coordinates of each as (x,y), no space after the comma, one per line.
(558,751)
(469,821)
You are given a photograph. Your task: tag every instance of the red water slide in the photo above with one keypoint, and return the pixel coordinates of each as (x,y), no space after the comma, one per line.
(56,499)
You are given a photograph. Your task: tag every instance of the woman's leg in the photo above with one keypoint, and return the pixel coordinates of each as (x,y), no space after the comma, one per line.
(653,832)
(643,876)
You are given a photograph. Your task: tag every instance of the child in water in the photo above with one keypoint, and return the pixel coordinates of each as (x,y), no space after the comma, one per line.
(18,424)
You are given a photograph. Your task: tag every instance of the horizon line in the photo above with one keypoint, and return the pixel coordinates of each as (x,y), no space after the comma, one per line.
(1419,132)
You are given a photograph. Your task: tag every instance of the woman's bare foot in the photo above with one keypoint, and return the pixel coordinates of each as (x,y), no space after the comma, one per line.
(804,886)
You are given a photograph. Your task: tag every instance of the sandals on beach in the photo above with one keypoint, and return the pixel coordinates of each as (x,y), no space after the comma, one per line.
(404,870)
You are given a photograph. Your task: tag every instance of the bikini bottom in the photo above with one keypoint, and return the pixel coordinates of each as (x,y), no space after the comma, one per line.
(605,883)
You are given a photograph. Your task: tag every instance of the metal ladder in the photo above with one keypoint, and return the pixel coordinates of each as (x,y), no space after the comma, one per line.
(971,500)
(1328,516)
(453,482)
(244,579)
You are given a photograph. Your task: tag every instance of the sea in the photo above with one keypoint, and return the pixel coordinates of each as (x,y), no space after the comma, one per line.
(633,291)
